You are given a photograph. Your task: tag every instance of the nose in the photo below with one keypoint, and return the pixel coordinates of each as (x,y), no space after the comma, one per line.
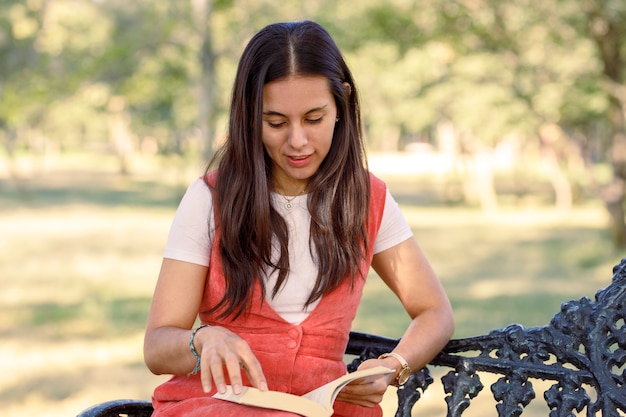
(297,136)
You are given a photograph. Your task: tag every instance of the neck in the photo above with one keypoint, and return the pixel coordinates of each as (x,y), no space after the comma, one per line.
(291,192)
(291,189)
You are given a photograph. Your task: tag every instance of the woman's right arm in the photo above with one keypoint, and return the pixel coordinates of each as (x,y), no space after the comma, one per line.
(174,309)
(173,312)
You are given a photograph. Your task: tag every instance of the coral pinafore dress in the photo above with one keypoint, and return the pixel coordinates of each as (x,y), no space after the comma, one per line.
(294,358)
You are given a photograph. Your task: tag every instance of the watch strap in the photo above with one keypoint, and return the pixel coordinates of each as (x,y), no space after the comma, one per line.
(405,371)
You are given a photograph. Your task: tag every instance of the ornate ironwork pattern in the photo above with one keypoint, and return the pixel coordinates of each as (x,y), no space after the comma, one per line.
(582,349)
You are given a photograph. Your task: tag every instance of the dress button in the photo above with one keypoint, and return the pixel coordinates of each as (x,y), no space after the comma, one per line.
(291,344)
(293,333)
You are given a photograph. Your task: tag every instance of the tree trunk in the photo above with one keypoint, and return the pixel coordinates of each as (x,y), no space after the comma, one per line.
(474,163)
(207,56)
(614,201)
(481,181)
(9,140)
(608,30)
(550,135)
(615,193)
(120,134)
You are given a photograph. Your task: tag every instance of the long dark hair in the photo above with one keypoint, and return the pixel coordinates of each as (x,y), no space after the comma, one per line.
(338,197)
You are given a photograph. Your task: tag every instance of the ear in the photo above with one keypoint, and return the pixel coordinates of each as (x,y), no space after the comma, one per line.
(348,88)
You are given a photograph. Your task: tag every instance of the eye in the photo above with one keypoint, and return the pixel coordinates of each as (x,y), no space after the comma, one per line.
(275,125)
(315,121)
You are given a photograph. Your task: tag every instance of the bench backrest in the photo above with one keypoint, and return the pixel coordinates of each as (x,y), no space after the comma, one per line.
(581,352)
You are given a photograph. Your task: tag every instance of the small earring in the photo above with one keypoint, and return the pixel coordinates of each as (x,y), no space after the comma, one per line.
(337,119)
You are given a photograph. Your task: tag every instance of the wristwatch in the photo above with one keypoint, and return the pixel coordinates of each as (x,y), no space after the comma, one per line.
(405,372)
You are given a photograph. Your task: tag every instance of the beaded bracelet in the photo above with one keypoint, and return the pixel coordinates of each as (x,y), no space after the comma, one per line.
(192,347)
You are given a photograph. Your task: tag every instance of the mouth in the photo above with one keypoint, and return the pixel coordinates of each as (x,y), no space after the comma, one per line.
(298,160)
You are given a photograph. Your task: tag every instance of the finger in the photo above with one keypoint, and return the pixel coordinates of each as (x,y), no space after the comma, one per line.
(364,391)
(206,377)
(361,396)
(360,388)
(369,401)
(254,371)
(233,368)
(377,362)
(216,367)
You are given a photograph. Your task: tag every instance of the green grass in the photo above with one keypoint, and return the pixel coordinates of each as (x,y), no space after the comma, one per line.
(513,267)
(80,258)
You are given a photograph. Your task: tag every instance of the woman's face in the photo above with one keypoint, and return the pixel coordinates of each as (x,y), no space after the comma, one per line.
(298,123)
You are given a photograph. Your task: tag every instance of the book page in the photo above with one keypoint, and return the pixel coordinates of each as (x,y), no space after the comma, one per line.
(317,403)
(275,400)
(326,394)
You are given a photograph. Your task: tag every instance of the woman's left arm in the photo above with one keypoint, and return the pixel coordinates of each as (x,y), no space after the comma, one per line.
(405,269)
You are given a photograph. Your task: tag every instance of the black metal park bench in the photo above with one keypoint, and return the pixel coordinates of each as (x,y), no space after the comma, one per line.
(581,354)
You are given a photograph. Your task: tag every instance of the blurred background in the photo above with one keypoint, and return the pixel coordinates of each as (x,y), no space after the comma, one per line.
(498,126)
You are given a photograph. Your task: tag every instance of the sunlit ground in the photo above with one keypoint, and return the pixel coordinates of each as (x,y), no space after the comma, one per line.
(81,255)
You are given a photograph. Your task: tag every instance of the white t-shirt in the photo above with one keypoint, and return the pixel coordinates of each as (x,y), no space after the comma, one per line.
(189,240)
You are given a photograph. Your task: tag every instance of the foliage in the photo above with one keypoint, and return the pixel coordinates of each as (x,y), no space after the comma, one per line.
(521,63)
(111,74)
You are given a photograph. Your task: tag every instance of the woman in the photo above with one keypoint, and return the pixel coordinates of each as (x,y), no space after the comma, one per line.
(271,249)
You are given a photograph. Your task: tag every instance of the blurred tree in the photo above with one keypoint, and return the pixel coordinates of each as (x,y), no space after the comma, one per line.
(24,90)
(207,81)
(48,51)
(490,71)
(605,23)
(537,81)
(149,63)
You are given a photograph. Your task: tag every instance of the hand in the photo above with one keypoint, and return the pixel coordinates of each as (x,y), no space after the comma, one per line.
(218,347)
(368,391)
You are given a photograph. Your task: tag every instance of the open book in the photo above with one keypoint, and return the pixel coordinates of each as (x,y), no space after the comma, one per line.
(317,403)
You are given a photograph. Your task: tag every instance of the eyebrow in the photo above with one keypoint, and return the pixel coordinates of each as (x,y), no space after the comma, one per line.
(276,113)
